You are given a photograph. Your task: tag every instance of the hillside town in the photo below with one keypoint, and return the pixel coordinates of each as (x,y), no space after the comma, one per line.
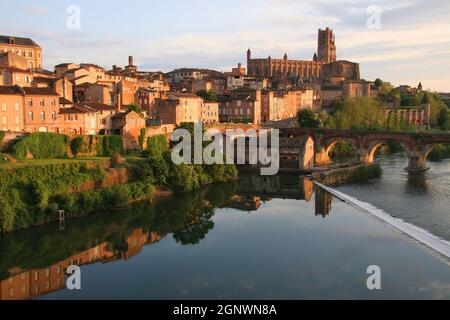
(83,98)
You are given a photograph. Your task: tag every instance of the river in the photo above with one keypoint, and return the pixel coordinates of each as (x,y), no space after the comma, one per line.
(420,199)
(260,238)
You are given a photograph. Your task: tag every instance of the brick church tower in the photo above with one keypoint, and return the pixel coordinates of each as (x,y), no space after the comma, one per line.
(326,48)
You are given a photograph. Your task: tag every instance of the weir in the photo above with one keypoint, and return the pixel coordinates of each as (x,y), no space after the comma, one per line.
(436,245)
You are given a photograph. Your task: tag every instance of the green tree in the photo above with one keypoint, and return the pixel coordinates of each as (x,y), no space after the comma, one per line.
(444,118)
(142,137)
(307,119)
(378,82)
(135,108)
(208,96)
(357,113)
(76,145)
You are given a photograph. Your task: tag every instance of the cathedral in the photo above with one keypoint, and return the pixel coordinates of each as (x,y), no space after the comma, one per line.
(306,69)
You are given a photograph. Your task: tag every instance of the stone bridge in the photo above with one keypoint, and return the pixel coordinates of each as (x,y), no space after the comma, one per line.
(366,143)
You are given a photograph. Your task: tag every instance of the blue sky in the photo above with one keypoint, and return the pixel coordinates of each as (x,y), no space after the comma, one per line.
(412,45)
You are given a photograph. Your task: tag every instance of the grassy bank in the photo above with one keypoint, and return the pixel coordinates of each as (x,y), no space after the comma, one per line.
(33,194)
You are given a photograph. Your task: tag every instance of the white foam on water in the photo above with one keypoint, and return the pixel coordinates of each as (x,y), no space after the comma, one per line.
(419,235)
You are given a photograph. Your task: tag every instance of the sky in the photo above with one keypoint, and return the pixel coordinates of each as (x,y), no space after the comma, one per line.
(411,42)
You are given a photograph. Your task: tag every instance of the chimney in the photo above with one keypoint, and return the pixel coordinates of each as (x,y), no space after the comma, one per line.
(130,60)
(114,67)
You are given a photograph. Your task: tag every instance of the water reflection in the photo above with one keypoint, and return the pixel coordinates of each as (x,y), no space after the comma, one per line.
(33,262)
(417,184)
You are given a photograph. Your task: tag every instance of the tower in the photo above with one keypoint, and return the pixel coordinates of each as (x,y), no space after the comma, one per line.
(249,57)
(326,48)
(426,105)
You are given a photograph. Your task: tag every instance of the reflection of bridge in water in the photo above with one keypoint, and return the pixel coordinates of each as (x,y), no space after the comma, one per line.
(252,189)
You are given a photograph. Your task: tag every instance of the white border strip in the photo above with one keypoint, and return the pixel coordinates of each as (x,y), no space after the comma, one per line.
(423,237)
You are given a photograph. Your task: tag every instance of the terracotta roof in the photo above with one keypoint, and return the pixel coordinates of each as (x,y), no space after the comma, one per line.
(64,64)
(99,106)
(10,90)
(64,101)
(77,109)
(185,95)
(18,41)
(39,91)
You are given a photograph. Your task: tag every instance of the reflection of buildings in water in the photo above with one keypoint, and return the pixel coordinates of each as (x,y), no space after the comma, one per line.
(281,186)
(245,203)
(323,201)
(31,283)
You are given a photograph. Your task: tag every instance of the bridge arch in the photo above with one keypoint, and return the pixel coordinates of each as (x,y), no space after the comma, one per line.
(417,154)
(327,145)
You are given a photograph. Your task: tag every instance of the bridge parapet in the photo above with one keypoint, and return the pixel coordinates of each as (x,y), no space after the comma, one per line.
(366,143)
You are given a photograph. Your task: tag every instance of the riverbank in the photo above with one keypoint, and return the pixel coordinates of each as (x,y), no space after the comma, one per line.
(33,195)
(347,174)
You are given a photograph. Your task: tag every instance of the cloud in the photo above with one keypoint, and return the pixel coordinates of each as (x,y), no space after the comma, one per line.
(35,10)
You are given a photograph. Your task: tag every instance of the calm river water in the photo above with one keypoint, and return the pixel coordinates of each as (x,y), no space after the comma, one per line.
(260,238)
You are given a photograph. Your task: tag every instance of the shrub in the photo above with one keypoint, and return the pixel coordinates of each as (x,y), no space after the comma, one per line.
(109,145)
(156,146)
(117,160)
(76,145)
(2,136)
(42,145)
(142,137)
(441,151)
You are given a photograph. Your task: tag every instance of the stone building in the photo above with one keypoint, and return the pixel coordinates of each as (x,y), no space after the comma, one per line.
(241,105)
(129,125)
(24,47)
(178,108)
(78,120)
(297,152)
(210,112)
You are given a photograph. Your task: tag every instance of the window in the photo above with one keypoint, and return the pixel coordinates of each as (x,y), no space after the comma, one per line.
(30,102)
(30,54)
(4,106)
(27,79)
(30,115)
(54,115)
(42,103)
(42,115)
(17,120)
(53,103)
(4,120)
(239,103)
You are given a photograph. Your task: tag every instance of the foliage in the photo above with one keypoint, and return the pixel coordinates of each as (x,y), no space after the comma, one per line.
(156,146)
(208,96)
(356,113)
(443,120)
(42,145)
(307,119)
(135,108)
(441,151)
(142,137)
(2,136)
(76,145)
(28,192)
(109,145)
